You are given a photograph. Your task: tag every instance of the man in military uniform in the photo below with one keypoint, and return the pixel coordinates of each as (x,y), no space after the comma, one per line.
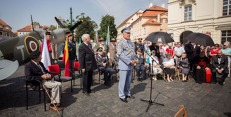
(103,65)
(127,56)
(112,49)
(102,44)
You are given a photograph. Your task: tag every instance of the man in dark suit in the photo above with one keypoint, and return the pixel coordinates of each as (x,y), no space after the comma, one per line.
(36,69)
(220,68)
(103,65)
(87,63)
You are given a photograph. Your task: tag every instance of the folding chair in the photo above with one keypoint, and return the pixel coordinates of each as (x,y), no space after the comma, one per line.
(36,86)
(99,73)
(181,112)
(56,71)
(78,75)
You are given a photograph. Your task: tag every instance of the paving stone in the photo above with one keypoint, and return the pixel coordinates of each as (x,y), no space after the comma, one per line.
(200,100)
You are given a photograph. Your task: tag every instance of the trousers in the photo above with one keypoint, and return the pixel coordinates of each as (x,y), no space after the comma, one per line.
(124,83)
(56,89)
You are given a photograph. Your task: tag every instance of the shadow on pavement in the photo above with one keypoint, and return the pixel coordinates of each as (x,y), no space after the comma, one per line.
(138,88)
(68,98)
(227,114)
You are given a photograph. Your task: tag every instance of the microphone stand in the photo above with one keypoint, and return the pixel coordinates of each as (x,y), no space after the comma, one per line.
(150,101)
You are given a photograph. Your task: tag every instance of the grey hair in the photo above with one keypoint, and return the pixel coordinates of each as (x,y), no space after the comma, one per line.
(85,36)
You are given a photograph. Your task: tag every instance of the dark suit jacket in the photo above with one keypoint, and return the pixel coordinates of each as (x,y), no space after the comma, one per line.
(196,51)
(31,69)
(223,63)
(87,58)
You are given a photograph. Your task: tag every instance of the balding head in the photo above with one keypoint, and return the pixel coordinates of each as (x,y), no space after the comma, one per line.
(219,53)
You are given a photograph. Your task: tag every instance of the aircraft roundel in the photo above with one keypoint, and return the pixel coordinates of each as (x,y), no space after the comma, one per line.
(31,44)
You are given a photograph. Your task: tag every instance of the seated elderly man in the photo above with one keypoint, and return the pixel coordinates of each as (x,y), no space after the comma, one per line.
(36,68)
(220,68)
(103,65)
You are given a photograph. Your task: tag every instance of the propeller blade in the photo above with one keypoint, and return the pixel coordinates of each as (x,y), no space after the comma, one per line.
(59,23)
(75,25)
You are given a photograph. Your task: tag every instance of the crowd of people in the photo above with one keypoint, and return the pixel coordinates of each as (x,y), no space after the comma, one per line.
(159,60)
(182,61)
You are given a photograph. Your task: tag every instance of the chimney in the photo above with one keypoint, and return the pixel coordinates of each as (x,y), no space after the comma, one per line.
(150,5)
(163,5)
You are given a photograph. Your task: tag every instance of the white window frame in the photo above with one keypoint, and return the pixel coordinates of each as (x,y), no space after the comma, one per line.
(187,12)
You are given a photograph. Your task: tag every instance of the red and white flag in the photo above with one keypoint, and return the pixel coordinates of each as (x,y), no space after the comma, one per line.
(45,53)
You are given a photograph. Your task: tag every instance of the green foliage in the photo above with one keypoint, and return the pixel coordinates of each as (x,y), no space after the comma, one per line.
(87,26)
(106,21)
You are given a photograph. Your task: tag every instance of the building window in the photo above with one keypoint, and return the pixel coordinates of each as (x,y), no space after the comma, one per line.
(226,7)
(225,36)
(188,13)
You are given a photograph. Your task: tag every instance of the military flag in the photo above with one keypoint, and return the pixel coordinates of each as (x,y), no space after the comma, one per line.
(66,59)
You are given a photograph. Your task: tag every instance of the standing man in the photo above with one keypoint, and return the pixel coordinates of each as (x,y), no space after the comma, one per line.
(112,49)
(87,63)
(72,51)
(127,58)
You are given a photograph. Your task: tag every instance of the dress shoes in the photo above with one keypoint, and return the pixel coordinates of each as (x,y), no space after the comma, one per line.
(86,93)
(132,97)
(221,83)
(54,108)
(124,100)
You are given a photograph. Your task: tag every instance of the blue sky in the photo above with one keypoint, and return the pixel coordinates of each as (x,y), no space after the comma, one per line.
(16,13)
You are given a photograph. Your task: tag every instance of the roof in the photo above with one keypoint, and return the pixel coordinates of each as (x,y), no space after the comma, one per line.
(157,8)
(3,23)
(151,13)
(127,19)
(152,22)
(27,28)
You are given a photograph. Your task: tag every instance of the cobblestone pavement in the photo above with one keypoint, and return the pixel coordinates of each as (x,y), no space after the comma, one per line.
(200,100)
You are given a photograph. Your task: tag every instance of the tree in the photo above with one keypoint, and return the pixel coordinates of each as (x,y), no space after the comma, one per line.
(87,26)
(106,21)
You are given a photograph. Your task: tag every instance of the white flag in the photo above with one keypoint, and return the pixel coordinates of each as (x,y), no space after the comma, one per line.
(45,53)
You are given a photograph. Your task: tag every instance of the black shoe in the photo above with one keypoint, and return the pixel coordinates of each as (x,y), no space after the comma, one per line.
(221,83)
(124,100)
(86,93)
(132,97)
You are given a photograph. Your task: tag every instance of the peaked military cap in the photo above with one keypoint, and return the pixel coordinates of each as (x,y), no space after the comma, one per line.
(125,30)
(99,49)
(113,40)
